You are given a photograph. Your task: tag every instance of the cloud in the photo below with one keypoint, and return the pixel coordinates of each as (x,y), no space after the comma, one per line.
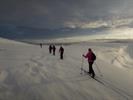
(73,16)
(54,14)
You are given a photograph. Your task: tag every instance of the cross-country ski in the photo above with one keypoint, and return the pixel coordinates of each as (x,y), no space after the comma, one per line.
(95,78)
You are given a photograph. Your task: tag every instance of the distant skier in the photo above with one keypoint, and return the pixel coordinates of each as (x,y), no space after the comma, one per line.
(50,49)
(91,58)
(61,51)
(54,49)
(41,45)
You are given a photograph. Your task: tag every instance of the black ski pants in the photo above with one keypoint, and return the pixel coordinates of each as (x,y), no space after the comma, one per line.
(61,55)
(91,71)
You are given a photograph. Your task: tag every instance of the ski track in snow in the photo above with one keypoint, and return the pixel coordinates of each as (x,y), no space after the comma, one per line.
(116,89)
(108,85)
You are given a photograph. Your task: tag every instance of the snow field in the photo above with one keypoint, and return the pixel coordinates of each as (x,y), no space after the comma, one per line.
(28,72)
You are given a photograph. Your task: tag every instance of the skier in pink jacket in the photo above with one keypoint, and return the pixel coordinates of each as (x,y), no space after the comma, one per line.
(90,55)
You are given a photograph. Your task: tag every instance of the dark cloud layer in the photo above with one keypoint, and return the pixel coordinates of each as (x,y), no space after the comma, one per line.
(53,13)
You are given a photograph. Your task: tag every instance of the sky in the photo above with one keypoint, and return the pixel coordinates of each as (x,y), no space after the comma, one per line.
(65,18)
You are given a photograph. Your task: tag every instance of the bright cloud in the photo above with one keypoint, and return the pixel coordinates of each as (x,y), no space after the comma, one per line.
(113,23)
(121,33)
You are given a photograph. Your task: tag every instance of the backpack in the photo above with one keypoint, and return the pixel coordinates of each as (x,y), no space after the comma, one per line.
(94,56)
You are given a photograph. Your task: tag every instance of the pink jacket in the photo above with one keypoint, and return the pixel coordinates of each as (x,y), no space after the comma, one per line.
(89,56)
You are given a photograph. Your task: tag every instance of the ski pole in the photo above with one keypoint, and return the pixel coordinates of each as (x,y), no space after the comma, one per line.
(82,65)
(98,69)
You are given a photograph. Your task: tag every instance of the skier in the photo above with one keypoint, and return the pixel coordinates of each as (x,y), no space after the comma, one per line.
(54,48)
(61,51)
(91,57)
(50,49)
(41,45)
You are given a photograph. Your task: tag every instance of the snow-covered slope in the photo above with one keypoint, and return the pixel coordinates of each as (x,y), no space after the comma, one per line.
(28,72)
